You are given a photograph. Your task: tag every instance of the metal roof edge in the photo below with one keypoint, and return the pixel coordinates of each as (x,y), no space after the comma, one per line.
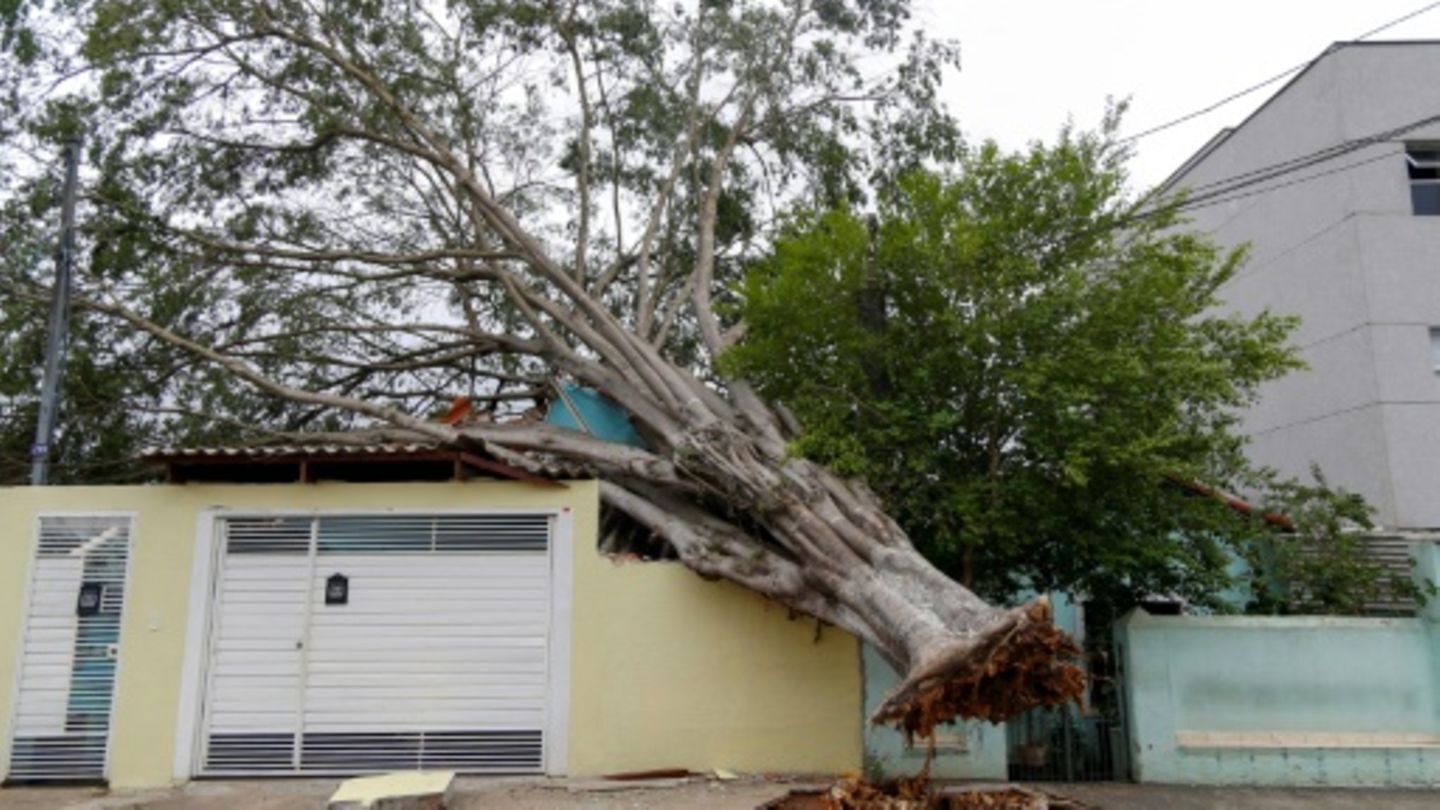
(1194,159)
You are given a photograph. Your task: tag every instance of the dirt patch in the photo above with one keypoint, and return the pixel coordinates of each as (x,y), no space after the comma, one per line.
(472,793)
(746,793)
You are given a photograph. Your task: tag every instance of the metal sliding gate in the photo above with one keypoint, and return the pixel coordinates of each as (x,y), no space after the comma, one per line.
(1073,744)
(1059,744)
(353,644)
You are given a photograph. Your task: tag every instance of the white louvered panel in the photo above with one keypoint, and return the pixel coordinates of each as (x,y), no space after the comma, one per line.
(408,534)
(255,668)
(276,535)
(467,751)
(437,660)
(66,677)
(457,659)
(1396,556)
(49,646)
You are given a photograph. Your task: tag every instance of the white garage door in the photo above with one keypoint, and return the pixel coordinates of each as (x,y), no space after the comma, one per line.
(428,651)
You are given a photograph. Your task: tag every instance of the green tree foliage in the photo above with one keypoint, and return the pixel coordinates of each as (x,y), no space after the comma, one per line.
(1322,565)
(249,182)
(98,440)
(1027,366)
(122,392)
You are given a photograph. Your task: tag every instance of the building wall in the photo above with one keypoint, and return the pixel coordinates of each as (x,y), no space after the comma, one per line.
(666,669)
(1342,250)
(887,754)
(1281,700)
(680,672)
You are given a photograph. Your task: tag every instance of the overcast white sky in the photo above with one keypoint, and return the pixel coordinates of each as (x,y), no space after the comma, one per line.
(1028,64)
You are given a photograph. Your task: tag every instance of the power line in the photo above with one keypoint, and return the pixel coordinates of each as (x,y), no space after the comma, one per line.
(1254,177)
(1277,77)
(1187,205)
(1300,161)
(1228,185)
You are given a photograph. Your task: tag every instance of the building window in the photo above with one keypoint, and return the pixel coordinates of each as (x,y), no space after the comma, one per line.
(1435,348)
(1423,164)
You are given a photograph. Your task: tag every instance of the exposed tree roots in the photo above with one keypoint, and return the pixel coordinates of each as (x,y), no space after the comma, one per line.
(1021,662)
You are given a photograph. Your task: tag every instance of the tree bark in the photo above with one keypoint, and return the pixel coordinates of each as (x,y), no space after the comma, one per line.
(839,557)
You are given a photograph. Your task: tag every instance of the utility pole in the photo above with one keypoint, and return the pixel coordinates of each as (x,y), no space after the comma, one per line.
(59,321)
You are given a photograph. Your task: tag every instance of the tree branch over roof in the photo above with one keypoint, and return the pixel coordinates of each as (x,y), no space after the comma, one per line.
(353,206)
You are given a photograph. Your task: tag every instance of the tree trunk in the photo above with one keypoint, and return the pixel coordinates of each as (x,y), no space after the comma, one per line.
(794,531)
(840,558)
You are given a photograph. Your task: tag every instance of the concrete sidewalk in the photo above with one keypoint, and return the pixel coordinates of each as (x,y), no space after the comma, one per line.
(742,794)
(1123,796)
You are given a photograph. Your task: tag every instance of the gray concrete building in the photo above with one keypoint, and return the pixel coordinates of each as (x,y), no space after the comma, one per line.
(1334,183)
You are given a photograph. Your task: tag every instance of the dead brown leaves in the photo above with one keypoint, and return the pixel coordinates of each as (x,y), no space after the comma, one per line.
(901,794)
(918,794)
(1022,663)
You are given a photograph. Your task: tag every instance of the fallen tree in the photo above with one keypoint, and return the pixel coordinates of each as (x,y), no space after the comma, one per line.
(358,207)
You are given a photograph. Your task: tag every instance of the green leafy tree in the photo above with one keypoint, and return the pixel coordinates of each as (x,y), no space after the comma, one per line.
(1321,563)
(1029,365)
(354,210)
(122,392)
(103,427)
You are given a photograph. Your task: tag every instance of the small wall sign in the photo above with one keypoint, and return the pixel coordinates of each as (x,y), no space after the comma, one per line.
(89,602)
(337,590)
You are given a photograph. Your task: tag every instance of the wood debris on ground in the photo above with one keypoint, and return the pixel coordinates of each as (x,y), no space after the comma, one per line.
(918,794)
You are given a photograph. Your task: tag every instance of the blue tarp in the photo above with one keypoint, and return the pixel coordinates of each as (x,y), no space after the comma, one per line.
(599,415)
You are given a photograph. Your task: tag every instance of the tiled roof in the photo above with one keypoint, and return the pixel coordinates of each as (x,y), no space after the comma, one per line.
(241,452)
(536,465)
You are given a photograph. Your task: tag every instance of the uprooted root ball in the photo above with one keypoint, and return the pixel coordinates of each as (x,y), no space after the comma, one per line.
(1022,662)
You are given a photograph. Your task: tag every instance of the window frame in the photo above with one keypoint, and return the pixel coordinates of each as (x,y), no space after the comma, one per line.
(1428,165)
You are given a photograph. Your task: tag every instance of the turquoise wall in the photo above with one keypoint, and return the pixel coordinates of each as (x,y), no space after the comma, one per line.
(887,754)
(985,755)
(1309,700)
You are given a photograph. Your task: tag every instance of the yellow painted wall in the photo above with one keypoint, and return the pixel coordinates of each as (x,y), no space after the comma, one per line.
(666,668)
(674,671)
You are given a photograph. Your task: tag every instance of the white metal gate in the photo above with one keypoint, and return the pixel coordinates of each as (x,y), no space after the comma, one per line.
(70,649)
(432,654)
